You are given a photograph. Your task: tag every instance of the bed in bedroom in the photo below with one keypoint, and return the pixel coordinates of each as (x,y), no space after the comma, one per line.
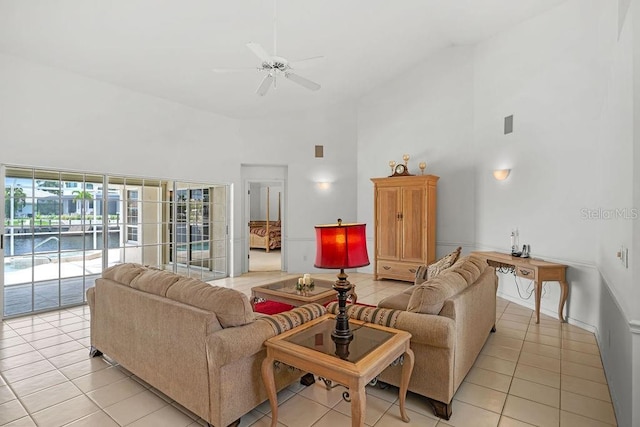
(266,234)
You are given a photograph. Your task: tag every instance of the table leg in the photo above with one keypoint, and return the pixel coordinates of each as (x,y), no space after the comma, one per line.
(270,386)
(358,405)
(538,289)
(407,368)
(564,288)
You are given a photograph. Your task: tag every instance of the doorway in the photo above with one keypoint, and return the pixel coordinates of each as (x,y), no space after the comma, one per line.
(265,225)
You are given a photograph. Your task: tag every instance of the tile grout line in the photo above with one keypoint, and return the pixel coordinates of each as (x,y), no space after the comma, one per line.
(81,318)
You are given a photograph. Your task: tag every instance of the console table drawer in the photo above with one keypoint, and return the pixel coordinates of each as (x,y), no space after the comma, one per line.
(528,273)
(396,270)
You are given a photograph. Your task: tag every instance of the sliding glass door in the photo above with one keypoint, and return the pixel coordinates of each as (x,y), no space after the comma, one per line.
(61,229)
(200,225)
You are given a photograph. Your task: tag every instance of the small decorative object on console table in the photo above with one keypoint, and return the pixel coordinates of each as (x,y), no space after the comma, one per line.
(341,246)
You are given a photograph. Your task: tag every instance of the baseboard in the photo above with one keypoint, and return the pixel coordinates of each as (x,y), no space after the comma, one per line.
(550,313)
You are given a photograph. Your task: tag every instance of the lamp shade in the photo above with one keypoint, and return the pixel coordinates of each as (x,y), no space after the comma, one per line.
(341,246)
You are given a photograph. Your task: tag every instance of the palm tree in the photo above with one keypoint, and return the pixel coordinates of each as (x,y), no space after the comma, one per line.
(19,199)
(84,196)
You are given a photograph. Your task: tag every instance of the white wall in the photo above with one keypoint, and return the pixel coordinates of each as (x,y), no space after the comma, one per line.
(634,261)
(52,118)
(291,141)
(569,83)
(551,73)
(428,114)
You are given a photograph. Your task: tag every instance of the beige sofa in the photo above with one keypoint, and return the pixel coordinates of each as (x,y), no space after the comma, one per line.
(449,318)
(199,344)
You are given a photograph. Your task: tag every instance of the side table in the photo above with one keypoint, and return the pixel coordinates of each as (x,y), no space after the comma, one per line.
(535,269)
(310,348)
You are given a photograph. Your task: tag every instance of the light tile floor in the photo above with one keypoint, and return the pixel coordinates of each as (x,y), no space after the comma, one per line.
(548,374)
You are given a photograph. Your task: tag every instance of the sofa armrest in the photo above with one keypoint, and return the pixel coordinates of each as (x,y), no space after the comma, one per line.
(237,342)
(474,313)
(230,344)
(428,329)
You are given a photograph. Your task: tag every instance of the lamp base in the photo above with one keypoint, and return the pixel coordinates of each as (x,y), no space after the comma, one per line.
(342,333)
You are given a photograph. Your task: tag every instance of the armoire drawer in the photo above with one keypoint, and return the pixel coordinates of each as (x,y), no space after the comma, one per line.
(396,270)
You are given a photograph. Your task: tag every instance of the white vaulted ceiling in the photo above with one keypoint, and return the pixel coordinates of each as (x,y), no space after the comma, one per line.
(168,48)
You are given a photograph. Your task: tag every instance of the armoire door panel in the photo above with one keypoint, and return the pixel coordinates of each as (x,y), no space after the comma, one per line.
(387,223)
(413,220)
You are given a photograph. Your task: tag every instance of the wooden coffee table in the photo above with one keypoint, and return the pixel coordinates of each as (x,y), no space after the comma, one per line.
(285,291)
(310,348)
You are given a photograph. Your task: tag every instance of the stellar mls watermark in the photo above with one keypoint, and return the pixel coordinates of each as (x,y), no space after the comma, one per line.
(609,214)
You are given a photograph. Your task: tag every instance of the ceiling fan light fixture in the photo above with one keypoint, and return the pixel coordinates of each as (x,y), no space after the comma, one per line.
(273,64)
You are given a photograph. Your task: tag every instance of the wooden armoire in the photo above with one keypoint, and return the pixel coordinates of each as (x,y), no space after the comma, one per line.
(405,225)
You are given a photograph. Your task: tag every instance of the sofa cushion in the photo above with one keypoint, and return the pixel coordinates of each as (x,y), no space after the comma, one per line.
(424,273)
(231,307)
(398,301)
(154,281)
(429,297)
(123,273)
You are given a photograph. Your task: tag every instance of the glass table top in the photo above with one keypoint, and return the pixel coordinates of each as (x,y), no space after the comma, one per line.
(318,337)
(289,287)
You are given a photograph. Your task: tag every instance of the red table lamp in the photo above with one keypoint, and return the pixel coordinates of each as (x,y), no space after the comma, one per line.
(341,246)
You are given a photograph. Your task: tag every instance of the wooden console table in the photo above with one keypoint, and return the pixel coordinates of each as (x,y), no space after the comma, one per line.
(535,269)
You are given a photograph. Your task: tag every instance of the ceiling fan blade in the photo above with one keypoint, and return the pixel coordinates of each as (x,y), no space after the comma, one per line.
(265,85)
(306,62)
(302,81)
(259,51)
(234,70)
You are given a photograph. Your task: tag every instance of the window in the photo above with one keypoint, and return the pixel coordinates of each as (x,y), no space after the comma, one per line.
(132,216)
(58,240)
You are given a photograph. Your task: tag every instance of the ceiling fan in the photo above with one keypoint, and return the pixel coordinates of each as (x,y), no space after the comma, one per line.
(275,66)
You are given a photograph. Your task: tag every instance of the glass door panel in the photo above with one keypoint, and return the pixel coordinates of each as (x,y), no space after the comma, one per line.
(62,229)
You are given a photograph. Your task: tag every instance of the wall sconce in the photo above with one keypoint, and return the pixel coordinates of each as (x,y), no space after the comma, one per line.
(324,186)
(501,174)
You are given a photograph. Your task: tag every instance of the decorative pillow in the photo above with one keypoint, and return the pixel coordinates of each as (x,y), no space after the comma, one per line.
(290,319)
(378,315)
(429,297)
(468,267)
(421,274)
(434,269)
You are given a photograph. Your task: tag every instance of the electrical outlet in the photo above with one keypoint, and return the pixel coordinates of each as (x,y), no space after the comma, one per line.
(623,256)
